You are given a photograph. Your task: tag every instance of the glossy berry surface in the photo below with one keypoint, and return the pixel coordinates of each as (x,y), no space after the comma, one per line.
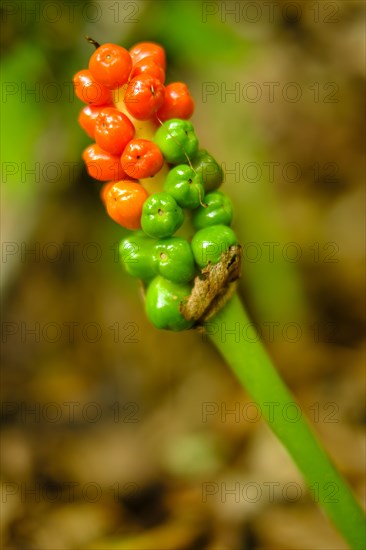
(209,243)
(174,259)
(101,165)
(124,201)
(141,159)
(89,90)
(218,210)
(148,65)
(163,299)
(176,140)
(104,190)
(144,96)
(136,254)
(148,49)
(211,172)
(88,117)
(185,186)
(111,65)
(178,102)
(113,130)
(140,127)
(161,216)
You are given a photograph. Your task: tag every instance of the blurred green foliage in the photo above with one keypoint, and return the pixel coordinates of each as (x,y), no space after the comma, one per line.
(39,124)
(171,375)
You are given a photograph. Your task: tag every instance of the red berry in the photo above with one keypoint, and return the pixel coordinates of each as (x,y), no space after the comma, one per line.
(144,96)
(111,65)
(142,159)
(178,102)
(144,49)
(113,130)
(148,65)
(124,201)
(87,118)
(102,165)
(89,90)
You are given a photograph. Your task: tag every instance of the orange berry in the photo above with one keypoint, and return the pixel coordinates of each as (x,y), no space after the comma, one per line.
(104,190)
(89,90)
(113,130)
(148,65)
(101,165)
(111,65)
(124,201)
(87,118)
(141,158)
(144,96)
(178,102)
(144,49)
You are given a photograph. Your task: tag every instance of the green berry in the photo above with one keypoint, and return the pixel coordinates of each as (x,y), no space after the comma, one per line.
(136,254)
(210,171)
(185,186)
(218,210)
(174,259)
(161,215)
(176,140)
(163,298)
(209,243)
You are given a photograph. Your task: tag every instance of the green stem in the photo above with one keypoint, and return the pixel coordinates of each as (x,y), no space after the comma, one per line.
(251,364)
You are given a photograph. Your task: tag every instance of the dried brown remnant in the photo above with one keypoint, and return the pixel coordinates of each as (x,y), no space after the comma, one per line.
(213,287)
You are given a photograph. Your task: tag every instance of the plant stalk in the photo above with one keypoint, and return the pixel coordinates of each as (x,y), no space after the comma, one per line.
(254,369)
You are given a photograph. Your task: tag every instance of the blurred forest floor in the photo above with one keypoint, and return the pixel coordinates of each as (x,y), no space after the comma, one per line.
(116,435)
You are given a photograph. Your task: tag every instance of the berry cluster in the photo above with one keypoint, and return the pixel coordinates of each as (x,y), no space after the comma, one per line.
(142,136)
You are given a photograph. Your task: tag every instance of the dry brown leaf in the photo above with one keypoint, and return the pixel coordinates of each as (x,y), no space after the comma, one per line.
(214,287)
